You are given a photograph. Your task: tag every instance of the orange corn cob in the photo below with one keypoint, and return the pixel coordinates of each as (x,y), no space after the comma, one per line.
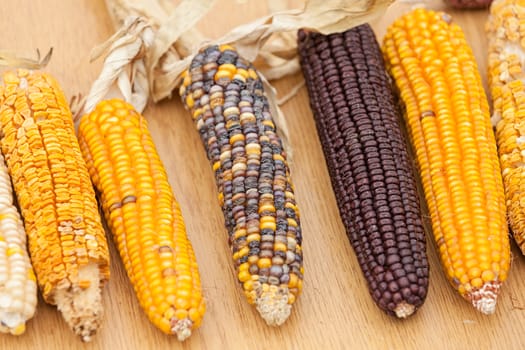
(447,115)
(143,215)
(66,240)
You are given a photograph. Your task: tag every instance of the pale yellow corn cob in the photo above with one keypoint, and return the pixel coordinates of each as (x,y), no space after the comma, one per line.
(17,279)
(506,76)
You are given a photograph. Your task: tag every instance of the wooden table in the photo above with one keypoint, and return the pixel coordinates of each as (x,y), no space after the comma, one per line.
(335,310)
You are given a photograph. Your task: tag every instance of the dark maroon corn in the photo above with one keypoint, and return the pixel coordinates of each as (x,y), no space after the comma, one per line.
(367,157)
(468,4)
(226,99)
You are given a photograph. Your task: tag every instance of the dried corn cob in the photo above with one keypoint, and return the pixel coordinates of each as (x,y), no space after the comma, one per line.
(231,112)
(448,120)
(17,279)
(468,4)
(506,76)
(143,215)
(66,240)
(367,157)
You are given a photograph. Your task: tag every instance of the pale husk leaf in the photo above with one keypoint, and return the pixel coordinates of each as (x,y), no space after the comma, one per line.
(176,40)
(156,65)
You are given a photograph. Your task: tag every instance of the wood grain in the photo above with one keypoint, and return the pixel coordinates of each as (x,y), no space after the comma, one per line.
(335,310)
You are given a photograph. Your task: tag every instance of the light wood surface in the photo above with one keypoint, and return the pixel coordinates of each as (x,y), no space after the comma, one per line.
(335,310)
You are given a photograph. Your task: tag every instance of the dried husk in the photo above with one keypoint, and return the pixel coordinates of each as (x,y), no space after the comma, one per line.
(176,41)
(10,59)
(146,66)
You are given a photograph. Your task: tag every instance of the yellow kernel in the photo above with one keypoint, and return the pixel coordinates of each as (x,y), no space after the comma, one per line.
(474,272)
(236,138)
(477,282)
(244,266)
(267,219)
(299,284)
(225,47)
(18,330)
(266,207)
(278,246)
(181,314)
(269,225)
(252,74)
(228,67)
(194,314)
(243,251)
(293,281)
(253,237)
(252,259)
(252,148)
(189,101)
(84,284)
(264,263)
(243,276)
(248,285)
(250,296)
(243,72)
(170,312)
(222,74)
(292,222)
(13,250)
(239,233)
(488,276)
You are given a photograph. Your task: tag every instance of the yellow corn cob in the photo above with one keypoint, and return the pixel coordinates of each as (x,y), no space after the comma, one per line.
(143,215)
(506,76)
(66,239)
(448,121)
(17,279)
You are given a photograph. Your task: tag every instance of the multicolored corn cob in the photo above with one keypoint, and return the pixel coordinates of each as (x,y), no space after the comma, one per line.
(367,157)
(226,99)
(506,76)
(143,215)
(447,116)
(67,242)
(18,288)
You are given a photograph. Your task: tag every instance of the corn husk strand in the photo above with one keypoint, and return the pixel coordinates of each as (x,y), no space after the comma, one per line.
(175,45)
(268,42)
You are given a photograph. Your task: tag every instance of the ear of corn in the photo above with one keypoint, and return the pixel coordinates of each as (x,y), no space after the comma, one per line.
(506,76)
(468,4)
(226,99)
(143,215)
(18,288)
(367,157)
(447,116)
(66,239)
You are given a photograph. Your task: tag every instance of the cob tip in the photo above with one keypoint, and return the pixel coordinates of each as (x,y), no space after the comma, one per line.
(272,304)
(182,328)
(484,299)
(404,309)
(81,303)
(12,322)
